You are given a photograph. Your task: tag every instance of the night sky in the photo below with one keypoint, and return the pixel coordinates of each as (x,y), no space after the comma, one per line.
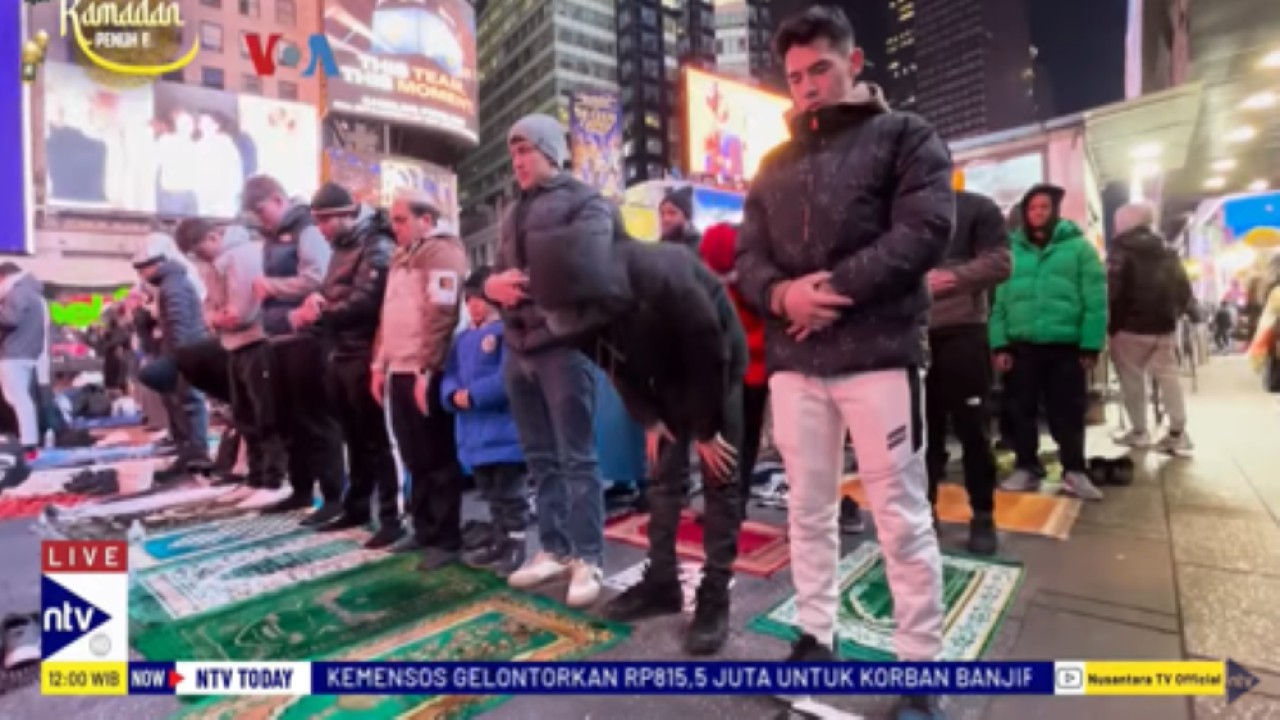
(1081,45)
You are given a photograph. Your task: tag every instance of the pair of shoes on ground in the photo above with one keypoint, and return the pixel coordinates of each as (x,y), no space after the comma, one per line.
(585,578)
(911,707)
(656,596)
(1074,484)
(1173,443)
(94,482)
(21,640)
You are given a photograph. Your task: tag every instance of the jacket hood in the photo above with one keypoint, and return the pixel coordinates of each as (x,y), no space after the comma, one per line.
(1141,242)
(867,98)
(167,269)
(232,238)
(295,219)
(560,179)
(1055,193)
(369,222)
(22,281)
(1063,230)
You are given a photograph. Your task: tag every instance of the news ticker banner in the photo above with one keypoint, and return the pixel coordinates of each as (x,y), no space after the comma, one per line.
(1180,678)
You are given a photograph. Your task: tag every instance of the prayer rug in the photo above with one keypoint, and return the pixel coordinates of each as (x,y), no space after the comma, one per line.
(12,508)
(115,421)
(68,457)
(217,535)
(214,580)
(1021,512)
(762,549)
(316,619)
(501,626)
(976,594)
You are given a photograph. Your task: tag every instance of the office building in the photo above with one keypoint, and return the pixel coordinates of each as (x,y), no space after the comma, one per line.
(966,65)
(744,35)
(531,57)
(655,39)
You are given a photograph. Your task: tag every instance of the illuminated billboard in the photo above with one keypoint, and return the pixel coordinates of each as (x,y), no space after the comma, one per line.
(405,61)
(15,205)
(595,140)
(731,125)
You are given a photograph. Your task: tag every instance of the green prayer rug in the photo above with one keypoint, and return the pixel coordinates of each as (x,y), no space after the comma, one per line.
(315,619)
(976,594)
(501,625)
(213,580)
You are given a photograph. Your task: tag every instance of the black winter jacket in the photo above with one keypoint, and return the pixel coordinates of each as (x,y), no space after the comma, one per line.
(355,283)
(864,193)
(181,313)
(1147,285)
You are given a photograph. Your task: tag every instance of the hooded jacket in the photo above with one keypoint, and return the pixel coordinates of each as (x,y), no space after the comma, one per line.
(675,351)
(866,194)
(1057,294)
(561,233)
(295,260)
(486,431)
(1147,286)
(354,286)
(24,331)
(717,250)
(238,265)
(422,305)
(978,257)
(179,310)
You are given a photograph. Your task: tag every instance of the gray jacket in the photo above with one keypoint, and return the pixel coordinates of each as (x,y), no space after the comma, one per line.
(238,265)
(24,332)
(561,234)
(295,262)
(979,257)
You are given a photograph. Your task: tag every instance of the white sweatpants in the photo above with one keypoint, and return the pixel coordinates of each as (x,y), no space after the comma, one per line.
(17,382)
(884,413)
(1137,356)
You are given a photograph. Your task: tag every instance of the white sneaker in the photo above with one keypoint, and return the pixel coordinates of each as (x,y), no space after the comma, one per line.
(1079,485)
(541,568)
(236,494)
(1134,439)
(585,584)
(1175,444)
(1021,481)
(263,497)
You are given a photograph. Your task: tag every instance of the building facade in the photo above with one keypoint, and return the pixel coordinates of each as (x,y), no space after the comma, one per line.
(744,35)
(531,57)
(966,65)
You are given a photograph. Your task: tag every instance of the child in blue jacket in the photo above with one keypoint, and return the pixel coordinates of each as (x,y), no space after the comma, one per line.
(487,440)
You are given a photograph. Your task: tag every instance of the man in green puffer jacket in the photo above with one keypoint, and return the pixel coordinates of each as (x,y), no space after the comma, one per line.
(1047,327)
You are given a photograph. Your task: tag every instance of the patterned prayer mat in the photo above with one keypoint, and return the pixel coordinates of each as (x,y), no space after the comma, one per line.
(12,508)
(976,593)
(1021,512)
(501,626)
(68,457)
(315,619)
(214,580)
(218,535)
(762,549)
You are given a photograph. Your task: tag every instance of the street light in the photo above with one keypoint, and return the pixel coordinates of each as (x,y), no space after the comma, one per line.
(1215,183)
(1146,152)
(1259,101)
(1224,165)
(1258,186)
(1244,133)
(1271,60)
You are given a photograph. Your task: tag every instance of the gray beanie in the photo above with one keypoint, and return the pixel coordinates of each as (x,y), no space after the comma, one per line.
(545,133)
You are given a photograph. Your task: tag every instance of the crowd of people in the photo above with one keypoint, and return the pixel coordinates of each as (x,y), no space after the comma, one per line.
(863,300)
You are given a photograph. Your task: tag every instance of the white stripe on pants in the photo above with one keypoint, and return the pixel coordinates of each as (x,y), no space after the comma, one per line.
(17,382)
(884,414)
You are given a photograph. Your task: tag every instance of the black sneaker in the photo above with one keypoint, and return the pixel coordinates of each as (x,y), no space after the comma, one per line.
(385,537)
(435,558)
(477,534)
(982,534)
(808,649)
(851,520)
(651,597)
(344,522)
(408,543)
(710,626)
(919,707)
(502,557)
(289,504)
(325,515)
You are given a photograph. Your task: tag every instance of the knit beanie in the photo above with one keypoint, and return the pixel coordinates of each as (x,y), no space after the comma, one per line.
(681,199)
(719,243)
(332,199)
(545,133)
(474,284)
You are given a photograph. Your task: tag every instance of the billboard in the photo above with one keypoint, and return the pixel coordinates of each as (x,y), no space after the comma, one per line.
(1004,180)
(405,61)
(15,202)
(167,148)
(440,184)
(595,140)
(731,125)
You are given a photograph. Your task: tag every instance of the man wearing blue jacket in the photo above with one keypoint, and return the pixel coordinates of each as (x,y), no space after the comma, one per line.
(487,439)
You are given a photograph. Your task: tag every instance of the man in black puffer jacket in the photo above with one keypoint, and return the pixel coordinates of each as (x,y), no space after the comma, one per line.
(180,316)
(675,216)
(345,311)
(840,228)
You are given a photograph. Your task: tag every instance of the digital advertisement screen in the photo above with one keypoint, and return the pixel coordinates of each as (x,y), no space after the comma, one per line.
(406,61)
(15,230)
(167,148)
(731,125)
(595,139)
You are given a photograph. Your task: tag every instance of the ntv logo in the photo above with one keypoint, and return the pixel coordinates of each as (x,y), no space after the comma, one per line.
(264,57)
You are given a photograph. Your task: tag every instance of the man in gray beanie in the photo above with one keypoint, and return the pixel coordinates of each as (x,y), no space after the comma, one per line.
(555,253)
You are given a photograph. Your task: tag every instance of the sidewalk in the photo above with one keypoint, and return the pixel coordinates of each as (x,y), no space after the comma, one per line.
(1183,564)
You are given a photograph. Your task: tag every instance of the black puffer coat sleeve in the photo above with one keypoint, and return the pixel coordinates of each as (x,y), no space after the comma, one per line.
(362,304)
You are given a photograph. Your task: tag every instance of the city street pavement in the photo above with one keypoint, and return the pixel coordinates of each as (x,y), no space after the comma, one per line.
(1185,563)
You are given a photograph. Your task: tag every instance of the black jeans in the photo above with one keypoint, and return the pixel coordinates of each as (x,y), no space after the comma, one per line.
(430,452)
(723,514)
(204,365)
(183,404)
(310,428)
(957,389)
(1054,373)
(364,430)
(755,399)
(505,487)
(253,406)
